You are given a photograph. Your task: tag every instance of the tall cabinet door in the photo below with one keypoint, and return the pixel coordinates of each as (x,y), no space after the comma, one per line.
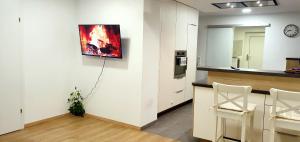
(181,26)
(10,67)
(166,97)
(192,60)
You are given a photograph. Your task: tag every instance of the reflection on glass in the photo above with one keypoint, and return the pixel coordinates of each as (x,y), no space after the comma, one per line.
(240,47)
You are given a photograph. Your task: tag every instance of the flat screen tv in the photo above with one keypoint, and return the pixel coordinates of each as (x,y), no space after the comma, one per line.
(100,40)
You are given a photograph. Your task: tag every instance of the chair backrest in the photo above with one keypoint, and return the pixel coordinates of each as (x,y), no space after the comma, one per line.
(226,91)
(284,98)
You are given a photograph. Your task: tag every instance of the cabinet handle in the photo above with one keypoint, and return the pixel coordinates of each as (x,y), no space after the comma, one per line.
(179,91)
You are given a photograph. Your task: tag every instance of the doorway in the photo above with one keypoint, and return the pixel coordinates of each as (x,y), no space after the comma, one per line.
(10,65)
(248,49)
(254,47)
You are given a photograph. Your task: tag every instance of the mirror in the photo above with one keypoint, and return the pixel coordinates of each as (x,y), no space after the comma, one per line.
(239,47)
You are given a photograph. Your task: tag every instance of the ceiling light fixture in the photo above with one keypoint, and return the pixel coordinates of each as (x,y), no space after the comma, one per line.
(245,4)
(246,10)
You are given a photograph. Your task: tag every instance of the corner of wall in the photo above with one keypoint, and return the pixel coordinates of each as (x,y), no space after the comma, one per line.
(150,64)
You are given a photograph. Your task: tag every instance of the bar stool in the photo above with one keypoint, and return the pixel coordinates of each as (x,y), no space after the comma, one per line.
(286,116)
(231,102)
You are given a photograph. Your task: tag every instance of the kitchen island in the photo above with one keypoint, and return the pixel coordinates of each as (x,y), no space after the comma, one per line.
(261,81)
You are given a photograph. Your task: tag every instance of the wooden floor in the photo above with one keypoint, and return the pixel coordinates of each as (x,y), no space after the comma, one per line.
(75,129)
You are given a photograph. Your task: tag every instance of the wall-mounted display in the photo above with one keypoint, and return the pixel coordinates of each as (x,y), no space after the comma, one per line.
(100,40)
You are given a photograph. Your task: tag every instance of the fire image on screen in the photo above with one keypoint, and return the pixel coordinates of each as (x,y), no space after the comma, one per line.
(101,40)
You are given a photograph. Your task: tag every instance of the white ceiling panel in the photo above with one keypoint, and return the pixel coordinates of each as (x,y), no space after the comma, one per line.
(206,8)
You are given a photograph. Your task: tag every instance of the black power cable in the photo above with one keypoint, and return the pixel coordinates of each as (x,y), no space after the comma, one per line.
(98,79)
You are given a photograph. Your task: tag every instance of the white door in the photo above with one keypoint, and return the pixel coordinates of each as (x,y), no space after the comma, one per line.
(192,60)
(219,47)
(255,47)
(10,67)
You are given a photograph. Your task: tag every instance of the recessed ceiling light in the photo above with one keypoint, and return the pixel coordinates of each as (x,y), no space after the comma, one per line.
(260,5)
(232,6)
(228,4)
(258,2)
(247,10)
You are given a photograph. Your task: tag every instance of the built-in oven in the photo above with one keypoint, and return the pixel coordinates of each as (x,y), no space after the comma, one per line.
(180,64)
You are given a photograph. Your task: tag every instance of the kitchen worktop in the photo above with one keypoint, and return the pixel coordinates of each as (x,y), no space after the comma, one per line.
(250,71)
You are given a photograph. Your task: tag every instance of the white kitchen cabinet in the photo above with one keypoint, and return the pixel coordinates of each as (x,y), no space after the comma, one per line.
(176,34)
(178,96)
(181,27)
(168,39)
(203,116)
(185,16)
(178,89)
(192,61)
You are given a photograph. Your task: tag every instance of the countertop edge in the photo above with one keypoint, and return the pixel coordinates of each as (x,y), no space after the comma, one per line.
(210,86)
(258,72)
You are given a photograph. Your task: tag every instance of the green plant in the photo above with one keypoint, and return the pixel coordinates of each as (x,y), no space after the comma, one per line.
(76,103)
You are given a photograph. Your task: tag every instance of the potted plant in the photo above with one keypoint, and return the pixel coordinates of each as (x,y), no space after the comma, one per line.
(76,103)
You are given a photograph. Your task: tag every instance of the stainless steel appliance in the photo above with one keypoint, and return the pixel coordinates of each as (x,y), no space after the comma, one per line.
(180,64)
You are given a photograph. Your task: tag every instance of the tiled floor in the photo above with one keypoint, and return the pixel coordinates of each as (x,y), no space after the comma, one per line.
(177,125)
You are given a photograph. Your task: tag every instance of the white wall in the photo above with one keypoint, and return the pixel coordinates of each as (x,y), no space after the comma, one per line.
(151,56)
(118,95)
(49,27)
(53,63)
(277,45)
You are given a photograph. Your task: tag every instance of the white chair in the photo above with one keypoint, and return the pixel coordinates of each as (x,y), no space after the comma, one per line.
(284,115)
(231,102)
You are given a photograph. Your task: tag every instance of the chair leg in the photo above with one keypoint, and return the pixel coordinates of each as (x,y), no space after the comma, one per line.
(251,128)
(215,136)
(272,131)
(222,128)
(244,127)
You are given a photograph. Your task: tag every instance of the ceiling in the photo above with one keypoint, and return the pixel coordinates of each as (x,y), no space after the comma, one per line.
(205,7)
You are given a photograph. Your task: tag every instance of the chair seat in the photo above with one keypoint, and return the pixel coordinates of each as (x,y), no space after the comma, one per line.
(230,106)
(291,115)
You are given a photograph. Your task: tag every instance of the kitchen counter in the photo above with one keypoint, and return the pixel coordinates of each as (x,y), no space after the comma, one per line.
(260,80)
(204,117)
(251,71)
